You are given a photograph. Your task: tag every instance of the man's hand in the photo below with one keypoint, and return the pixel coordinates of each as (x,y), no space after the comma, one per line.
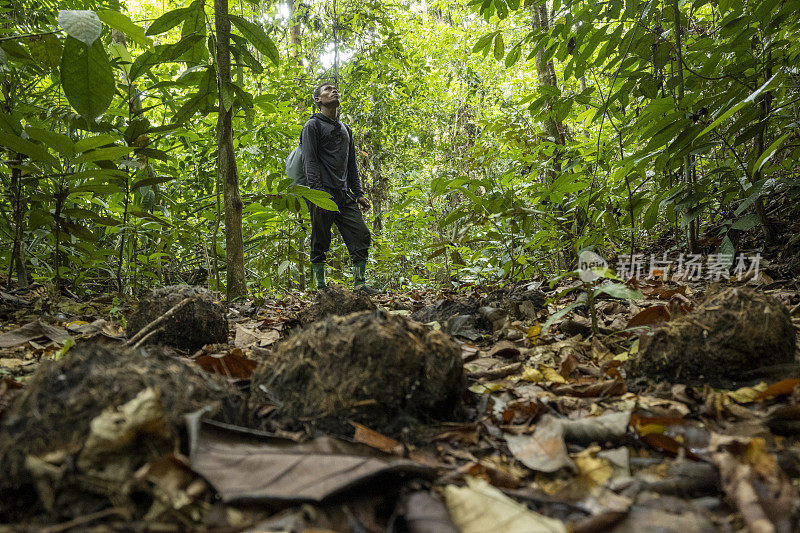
(363,202)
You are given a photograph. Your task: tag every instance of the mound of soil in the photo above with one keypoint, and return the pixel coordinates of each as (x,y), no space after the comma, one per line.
(52,418)
(442,310)
(202,321)
(335,300)
(521,301)
(370,367)
(723,341)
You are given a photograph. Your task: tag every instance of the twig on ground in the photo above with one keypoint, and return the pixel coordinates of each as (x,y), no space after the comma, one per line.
(155,325)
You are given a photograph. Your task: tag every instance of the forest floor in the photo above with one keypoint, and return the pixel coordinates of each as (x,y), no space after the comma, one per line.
(681,413)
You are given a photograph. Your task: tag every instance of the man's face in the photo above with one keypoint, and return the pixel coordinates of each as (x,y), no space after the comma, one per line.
(328,96)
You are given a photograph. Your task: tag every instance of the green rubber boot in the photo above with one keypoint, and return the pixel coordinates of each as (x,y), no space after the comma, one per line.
(319,275)
(360,278)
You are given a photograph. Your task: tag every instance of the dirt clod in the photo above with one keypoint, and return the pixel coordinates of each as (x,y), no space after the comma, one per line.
(335,300)
(723,341)
(202,321)
(370,367)
(47,427)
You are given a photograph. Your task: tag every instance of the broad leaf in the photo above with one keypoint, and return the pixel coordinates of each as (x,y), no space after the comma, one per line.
(618,290)
(257,37)
(769,152)
(167,21)
(121,22)
(23,146)
(83,25)
(57,141)
(86,77)
(723,117)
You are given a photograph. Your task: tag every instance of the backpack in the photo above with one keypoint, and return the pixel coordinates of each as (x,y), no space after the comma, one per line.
(294,166)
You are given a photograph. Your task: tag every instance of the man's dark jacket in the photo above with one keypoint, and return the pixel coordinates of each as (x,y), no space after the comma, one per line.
(329,155)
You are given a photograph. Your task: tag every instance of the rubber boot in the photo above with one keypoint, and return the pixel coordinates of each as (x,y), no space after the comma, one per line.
(360,278)
(319,275)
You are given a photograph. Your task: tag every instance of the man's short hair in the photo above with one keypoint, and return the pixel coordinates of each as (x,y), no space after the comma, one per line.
(318,90)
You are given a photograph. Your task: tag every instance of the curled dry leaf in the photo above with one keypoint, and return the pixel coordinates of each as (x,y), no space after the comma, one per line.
(544,451)
(599,389)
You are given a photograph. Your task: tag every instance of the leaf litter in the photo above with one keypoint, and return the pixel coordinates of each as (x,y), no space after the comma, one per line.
(547,435)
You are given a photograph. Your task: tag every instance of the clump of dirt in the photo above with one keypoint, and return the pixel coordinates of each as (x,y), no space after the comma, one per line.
(371,367)
(723,341)
(50,422)
(335,300)
(442,310)
(521,301)
(202,321)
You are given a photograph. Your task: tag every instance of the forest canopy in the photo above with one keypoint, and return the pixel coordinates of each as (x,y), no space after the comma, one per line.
(497,139)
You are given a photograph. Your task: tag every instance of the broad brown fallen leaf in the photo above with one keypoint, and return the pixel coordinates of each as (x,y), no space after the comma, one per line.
(649,316)
(232,364)
(544,451)
(781,388)
(31,331)
(249,466)
(481,508)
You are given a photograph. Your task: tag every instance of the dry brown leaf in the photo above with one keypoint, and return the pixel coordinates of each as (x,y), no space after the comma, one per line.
(781,388)
(378,441)
(481,508)
(649,316)
(544,451)
(232,364)
(245,466)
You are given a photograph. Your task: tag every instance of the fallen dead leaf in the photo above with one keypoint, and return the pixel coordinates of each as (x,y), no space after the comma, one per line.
(481,508)
(232,364)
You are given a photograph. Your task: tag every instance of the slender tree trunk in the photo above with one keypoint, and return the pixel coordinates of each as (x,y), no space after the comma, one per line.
(546,71)
(20,206)
(226,160)
(691,230)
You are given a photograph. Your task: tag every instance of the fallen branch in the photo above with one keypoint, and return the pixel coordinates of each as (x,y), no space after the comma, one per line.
(154,326)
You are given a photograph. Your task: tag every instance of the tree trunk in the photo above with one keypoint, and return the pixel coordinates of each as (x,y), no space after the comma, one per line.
(19,208)
(691,230)
(546,71)
(226,160)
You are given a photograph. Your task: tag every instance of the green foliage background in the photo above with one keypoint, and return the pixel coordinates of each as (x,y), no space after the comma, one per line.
(479,169)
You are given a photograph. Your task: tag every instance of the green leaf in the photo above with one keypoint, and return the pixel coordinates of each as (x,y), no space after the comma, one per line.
(83,25)
(86,77)
(499,47)
(558,314)
(90,143)
(24,146)
(121,22)
(723,117)
(57,141)
(195,25)
(769,152)
(3,58)
(112,153)
(189,108)
(151,180)
(484,42)
(162,54)
(257,37)
(746,222)
(513,56)
(226,95)
(618,290)
(167,21)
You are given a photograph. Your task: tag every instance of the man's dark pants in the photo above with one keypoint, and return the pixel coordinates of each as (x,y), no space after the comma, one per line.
(351,225)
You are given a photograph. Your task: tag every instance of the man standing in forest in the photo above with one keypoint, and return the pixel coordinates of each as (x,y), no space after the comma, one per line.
(329,163)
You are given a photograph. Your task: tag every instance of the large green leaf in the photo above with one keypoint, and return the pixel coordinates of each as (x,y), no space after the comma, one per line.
(86,77)
(618,290)
(24,146)
(724,116)
(769,152)
(83,25)
(3,58)
(90,143)
(167,21)
(162,54)
(57,141)
(121,22)
(111,153)
(195,25)
(257,37)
